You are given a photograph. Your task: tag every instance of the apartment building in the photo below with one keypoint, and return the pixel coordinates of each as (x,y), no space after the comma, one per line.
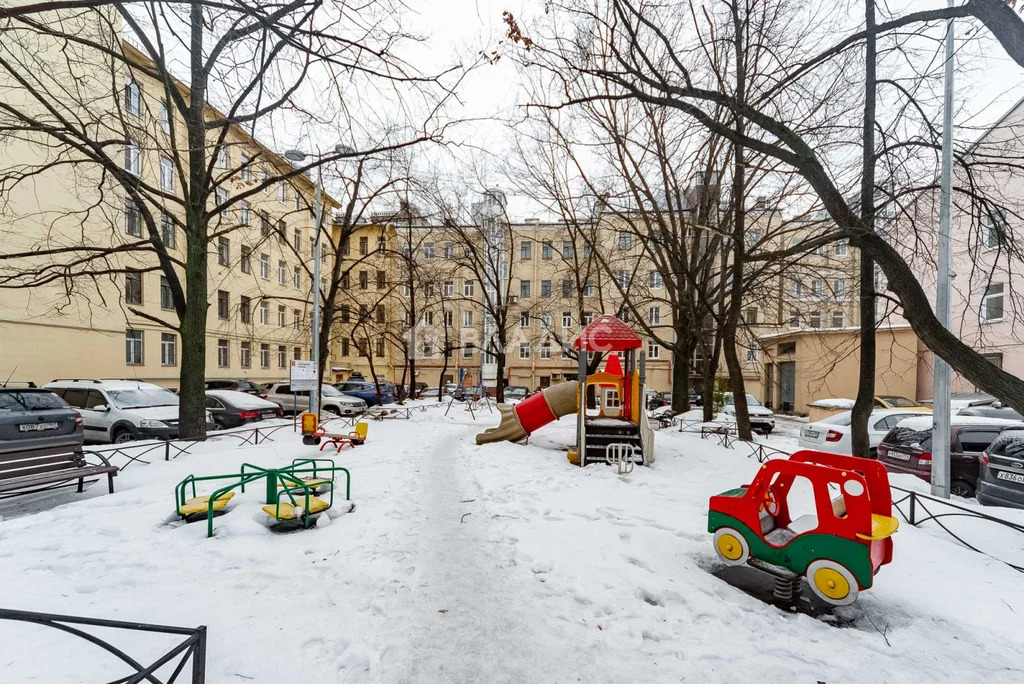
(113,320)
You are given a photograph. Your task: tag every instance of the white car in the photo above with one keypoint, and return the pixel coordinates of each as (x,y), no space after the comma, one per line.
(761,417)
(120,411)
(833,433)
(331,400)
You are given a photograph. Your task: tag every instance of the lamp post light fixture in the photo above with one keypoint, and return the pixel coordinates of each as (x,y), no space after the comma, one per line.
(300,156)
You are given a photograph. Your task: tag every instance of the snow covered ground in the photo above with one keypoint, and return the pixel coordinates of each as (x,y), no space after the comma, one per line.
(496,563)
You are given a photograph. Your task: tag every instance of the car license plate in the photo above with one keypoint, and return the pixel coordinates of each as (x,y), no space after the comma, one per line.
(30,427)
(811,433)
(898,455)
(1010,477)
(269,414)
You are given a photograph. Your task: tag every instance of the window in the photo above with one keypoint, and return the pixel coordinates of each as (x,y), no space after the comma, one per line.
(787,348)
(133,287)
(524,350)
(132,97)
(346,314)
(296,319)
(428,250)
(133,347)
(132,219)
(655,281)
(428,289)
(526,250)
(246,171)
(625,315)
(364,280)
(281,316)
(448,319)
(132,157)
(546,252)
(752,354)
(587,318)
(165,117)
(568,249)
(221,196)
(282,272)
(838,319)
(750,316)
(976,441)
(545,288)
(566,319)
(264,225)
(468,350)
(282,232)
(449,250)
(467,319)
(312,248)
(449,288)
(345,281)
(624,279)
(753,236)
(654,315)
(524,288)
(223,354)
(589,289)
(364,313)
(794,319)
(567,288)
(625,240)
(166,299)
(842,247)
(246,354)
(245,261)
(364,245)
(264,313)
(297,353)
(381,280)
(243,213)
(298,201)
(817,287)
(265,266)
(168,349)
(545,319)
(222,305)
(588,250)
(795,289)
(381,317)
(344,346)
(223,251)
(524,320)
(282,192)
(379,347)
(467,288)
(245,309)
(282,356)
(297,278)
(993,229)
(166,174)
(297,241)
(545,350)
(653,350)
(264,356)
(839,288)
(815,319)
(992,303)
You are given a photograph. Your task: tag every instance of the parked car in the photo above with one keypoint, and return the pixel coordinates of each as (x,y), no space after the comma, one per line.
(761,418)
(833,434)
(238,385)
(367,391)
(908,448)
(32,418)
(892,401)
(231,408)
(429,393)
(331,400)
(120,411)
(1001,476)
(454,390)
(515,393)
(994,410)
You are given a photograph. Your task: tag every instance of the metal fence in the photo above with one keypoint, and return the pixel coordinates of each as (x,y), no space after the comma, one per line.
(193,648)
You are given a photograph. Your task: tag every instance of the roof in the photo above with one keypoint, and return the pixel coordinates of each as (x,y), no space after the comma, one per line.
(607,334)
(104,384)
(925,422)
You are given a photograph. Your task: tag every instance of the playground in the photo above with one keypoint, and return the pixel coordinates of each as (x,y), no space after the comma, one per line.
(457,562)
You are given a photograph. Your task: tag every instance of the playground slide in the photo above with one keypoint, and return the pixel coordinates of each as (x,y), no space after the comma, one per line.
(537,411)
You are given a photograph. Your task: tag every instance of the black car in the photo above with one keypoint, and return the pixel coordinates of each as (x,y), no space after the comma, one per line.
(233,409)
(1001,476)
(994,410)
(32,418)
(238,385)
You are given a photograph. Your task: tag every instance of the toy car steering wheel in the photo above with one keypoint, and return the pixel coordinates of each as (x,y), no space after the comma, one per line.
(771,503)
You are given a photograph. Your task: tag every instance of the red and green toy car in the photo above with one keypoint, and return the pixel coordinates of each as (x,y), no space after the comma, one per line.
(838,549)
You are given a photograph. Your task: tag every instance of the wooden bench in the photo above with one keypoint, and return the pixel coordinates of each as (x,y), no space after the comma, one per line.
(36,470)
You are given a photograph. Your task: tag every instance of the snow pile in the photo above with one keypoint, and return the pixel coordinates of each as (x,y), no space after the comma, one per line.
(466,563)
(836,404)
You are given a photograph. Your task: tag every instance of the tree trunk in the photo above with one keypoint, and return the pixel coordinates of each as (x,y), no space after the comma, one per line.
(680,380)
(866,378)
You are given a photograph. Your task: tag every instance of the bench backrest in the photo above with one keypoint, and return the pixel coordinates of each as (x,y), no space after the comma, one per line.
(35,461)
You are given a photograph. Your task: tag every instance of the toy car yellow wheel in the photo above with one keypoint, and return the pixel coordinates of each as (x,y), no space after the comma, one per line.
(832,582)
(731,547)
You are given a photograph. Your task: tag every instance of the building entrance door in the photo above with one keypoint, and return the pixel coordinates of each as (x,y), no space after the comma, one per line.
(787,385)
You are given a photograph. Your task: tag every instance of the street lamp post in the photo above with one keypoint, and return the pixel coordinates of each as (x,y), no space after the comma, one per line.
(299,156)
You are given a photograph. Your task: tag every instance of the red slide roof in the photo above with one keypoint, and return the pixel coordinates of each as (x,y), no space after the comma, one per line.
(607,334)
